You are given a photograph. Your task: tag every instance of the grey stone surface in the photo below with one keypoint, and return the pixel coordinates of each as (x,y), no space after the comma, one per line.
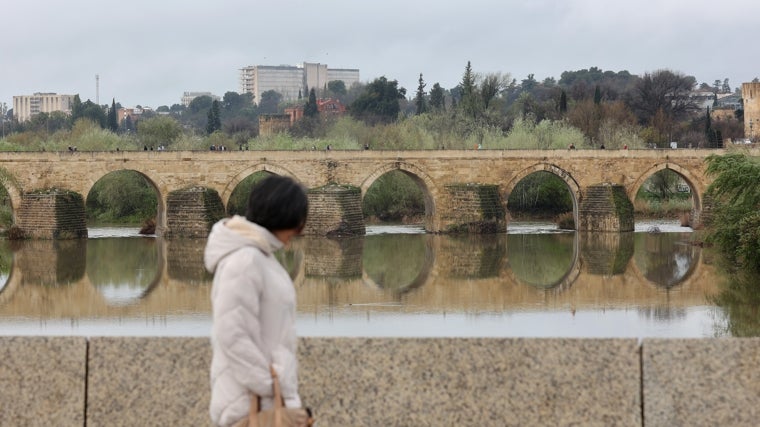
(701,382)
(471,382)
(148,381)
(42,381)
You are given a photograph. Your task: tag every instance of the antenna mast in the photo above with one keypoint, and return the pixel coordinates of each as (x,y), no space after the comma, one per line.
(97,89)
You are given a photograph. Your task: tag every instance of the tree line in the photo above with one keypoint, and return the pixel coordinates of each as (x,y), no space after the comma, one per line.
(584,108)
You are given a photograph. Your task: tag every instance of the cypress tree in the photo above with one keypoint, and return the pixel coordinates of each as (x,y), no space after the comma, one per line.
(310,109)
(469,102)
(436,98)
(113,120)
(420,99)
(214,120)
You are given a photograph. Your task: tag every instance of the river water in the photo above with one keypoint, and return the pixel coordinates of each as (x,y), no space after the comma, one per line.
(397,281)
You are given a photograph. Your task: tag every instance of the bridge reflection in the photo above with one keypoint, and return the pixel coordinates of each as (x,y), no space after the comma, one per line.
(134,277)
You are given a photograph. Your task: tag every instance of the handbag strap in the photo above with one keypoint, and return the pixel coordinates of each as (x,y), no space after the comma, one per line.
(279,403)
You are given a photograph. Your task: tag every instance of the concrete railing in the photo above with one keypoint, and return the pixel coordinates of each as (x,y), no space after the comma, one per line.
(75,381)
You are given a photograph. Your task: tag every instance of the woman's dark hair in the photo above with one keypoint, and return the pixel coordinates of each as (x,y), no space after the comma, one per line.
(277,203)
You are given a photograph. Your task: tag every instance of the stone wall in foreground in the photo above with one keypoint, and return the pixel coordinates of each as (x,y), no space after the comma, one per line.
(74,381)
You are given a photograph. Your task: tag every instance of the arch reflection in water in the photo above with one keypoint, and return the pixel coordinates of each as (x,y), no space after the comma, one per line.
(544,261)
(123,269)
(666,259)
(416,285)
(398,263)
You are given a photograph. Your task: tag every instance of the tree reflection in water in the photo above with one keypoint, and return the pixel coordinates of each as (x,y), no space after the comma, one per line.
(740,301)
(541,260)
(122,269)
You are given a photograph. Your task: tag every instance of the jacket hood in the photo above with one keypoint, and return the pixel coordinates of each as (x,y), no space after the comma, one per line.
(231,234)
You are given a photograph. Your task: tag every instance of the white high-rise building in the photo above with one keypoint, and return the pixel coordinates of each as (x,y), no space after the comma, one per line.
(289,81)
(25,106)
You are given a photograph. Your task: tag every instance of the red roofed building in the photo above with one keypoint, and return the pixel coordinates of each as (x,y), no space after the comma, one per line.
(325,107)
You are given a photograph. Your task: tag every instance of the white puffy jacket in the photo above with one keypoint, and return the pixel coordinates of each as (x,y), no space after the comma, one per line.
(253,303)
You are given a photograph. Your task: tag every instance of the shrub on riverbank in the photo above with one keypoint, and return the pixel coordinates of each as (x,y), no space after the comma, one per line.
(735,224)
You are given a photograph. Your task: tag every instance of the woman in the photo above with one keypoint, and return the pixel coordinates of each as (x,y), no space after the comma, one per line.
(253,302)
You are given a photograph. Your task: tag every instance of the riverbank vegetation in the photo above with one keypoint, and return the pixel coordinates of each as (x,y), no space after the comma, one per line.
(734,226)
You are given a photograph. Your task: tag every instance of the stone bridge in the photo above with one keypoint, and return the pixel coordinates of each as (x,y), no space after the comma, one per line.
(465,190)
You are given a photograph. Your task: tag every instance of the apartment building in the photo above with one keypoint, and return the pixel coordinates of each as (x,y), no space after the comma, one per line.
(26,106)
(290,80)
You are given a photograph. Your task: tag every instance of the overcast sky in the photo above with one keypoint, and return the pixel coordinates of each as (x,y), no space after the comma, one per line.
(150,52)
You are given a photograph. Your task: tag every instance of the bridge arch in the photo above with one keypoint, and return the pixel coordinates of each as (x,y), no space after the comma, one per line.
(572,184)
(696,188)
(421,178)
(226,192)
(155,182)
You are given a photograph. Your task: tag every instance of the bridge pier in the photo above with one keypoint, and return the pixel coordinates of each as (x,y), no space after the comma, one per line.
(605,207)
(50,214)
(474,208)
(191,212)
(335,210)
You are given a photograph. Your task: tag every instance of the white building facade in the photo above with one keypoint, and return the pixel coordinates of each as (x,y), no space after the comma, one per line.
(290,81)
(187,97)
(26,106)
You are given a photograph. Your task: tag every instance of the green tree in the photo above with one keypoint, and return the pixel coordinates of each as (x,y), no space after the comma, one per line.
(94,112)
(563,102)
(76,108)
(337,87)
(270,102)
(310,109)
(113,119)
(161,130)
(379,103)
(437,99)
(735,225)
(233,102)
(469,102)
(490,86)
(214,122)
(419,101)
(200,104)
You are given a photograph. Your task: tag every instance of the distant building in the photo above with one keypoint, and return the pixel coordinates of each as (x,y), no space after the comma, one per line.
(26,106)
(751,97)
(134,114)
(325,107)
(188,97)
(270,124)
(703,99)
(290,81)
